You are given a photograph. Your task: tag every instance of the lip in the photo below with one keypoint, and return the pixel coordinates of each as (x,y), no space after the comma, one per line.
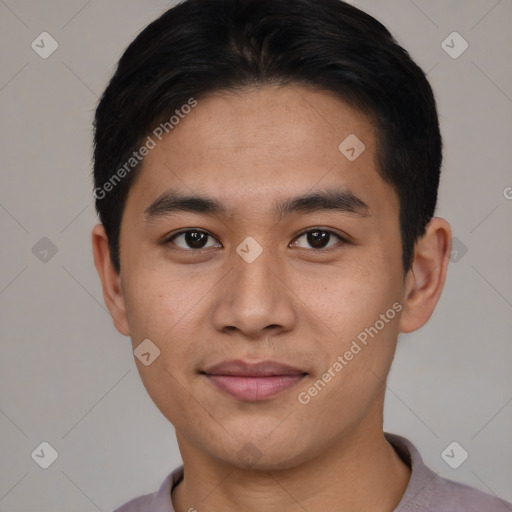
(253,381)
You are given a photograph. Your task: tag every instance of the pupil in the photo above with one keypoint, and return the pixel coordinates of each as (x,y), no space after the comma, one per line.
(195,239)
(318,238)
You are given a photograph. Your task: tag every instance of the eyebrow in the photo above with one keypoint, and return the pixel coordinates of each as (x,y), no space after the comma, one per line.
(341,200)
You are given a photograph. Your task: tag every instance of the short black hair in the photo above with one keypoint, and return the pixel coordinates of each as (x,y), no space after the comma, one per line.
(199,47)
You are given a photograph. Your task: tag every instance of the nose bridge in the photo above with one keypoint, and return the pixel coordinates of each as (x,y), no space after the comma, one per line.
(255,296)
(253,280)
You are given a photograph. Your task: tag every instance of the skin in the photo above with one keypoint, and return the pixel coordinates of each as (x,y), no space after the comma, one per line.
(295,304)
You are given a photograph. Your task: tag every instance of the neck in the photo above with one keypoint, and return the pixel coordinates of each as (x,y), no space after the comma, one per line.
(361,471)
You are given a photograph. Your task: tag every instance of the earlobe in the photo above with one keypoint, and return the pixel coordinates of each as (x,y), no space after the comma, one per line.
(110,279)
(425,280)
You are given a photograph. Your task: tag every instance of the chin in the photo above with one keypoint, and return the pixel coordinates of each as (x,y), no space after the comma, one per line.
(263,454)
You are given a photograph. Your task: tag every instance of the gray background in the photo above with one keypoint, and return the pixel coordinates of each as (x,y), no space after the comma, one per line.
(68,378)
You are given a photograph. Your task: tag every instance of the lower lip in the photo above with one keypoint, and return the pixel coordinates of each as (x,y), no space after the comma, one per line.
(254,388)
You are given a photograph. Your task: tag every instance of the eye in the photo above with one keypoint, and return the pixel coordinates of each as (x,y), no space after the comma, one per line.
(192,239)
(317,239)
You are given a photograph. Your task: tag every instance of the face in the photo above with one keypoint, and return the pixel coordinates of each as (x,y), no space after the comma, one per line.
(293,257)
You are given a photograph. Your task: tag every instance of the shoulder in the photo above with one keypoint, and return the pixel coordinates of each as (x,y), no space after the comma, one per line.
(139,504)
(464,498)
(159,501)
(429,492)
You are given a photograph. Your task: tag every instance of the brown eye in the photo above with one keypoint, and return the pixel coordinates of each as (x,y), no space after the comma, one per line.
(317,239)
(192,239)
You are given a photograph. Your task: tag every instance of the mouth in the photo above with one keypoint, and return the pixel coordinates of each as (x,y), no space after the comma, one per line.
(253,381)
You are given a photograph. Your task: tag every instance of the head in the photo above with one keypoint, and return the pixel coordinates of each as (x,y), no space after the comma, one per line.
(299,146)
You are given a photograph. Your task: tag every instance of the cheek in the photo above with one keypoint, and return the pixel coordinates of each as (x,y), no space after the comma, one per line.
(347,296)
(168,309)
(158,301)
(163,308)
(359,304)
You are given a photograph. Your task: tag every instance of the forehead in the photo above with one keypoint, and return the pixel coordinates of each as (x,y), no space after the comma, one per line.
(254,145)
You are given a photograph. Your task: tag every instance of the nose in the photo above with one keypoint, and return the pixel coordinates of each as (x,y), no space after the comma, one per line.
(255,299)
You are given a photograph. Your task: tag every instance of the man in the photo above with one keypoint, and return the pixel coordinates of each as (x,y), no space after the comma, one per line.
(266,176)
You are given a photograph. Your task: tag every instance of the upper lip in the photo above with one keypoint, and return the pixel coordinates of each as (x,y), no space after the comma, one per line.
(237,367)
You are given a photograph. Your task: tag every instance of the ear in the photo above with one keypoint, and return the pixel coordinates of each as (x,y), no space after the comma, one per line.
(110,279)
(425,280)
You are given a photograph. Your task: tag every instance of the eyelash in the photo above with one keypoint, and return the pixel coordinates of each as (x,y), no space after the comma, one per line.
(171,238)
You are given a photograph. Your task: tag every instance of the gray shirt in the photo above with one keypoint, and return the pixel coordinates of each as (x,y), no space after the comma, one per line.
(426,491)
